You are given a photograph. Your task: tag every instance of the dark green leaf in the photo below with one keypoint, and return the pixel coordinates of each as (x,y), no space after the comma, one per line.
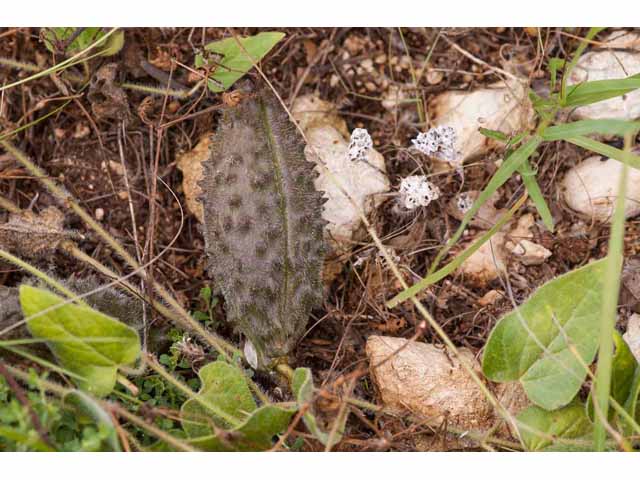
(623,371)
(224,416)
(59,35)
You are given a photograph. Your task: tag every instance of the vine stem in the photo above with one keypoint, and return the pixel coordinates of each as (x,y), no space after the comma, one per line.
(37,273)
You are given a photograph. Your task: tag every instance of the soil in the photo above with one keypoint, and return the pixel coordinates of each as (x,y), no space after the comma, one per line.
(99,134)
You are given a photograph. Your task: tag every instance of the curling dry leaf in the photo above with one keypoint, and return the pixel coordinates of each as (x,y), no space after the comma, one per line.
(34,235)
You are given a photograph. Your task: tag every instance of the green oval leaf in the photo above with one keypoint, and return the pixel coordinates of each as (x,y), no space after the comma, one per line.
(238,60)
(567,429)
(224,416)
(85,341)
(537,343)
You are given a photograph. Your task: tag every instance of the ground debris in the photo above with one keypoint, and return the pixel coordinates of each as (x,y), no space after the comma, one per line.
(34,235)
(108,101)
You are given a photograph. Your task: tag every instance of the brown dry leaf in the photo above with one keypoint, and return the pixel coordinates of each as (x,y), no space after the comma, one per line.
(162,59)
(108,101)
(190,164)
(34,235)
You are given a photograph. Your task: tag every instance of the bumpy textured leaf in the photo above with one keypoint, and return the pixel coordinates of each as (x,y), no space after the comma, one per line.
(84,341)
(242,426)
(302,386)
(567,429)
(237,60)
(537,343)
(262,224)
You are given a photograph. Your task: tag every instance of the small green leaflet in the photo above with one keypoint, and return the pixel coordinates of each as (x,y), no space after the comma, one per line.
(238,57)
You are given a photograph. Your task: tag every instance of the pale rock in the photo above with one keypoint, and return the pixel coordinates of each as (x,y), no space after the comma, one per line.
(364,181)
(529,253)
(519,243)
(609,64)
(502,106)
(590,188)
(311,111)
(327,138)
(487,263)
(424,380)
(632,335)
(489,298)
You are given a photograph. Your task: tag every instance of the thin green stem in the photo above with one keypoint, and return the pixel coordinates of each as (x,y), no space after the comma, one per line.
(609,307)
(593,31)
(37,273)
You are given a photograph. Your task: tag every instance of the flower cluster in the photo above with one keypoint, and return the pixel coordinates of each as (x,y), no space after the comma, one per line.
(359,145)
(416,191)
(438,142)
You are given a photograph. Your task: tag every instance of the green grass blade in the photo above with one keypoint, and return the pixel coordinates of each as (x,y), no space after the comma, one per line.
(623,156)
(610,294)
(593,31)
(509,166)
(587,127)
(598,90)
(531,183)
(456,262)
